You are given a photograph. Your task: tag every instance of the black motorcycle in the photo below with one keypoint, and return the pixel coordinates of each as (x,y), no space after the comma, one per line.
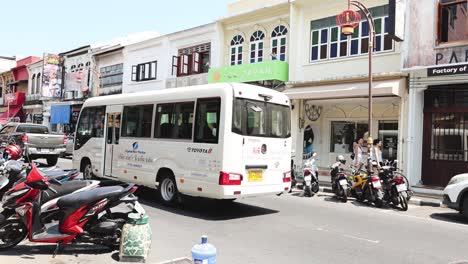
(395,185)
(340,183)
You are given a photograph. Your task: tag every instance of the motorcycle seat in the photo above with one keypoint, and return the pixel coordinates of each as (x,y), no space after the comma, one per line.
(76,200)
(63,189)
(58,174)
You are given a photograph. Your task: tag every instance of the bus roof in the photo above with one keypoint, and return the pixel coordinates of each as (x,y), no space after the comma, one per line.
(208,90)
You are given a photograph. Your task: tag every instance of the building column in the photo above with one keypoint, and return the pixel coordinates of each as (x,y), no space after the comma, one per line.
(414,135)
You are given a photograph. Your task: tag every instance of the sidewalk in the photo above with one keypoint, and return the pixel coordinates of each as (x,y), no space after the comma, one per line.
(419,199)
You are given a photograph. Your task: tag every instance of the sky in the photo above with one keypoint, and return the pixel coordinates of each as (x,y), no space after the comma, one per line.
(32,27)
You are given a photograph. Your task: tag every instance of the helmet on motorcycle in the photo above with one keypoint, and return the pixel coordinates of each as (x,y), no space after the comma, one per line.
(341,159)
(12,151)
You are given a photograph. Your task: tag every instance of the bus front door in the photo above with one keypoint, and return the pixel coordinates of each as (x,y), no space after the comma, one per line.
(112,140)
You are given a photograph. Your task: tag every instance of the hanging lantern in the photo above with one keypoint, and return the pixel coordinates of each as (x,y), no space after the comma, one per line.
(348,21)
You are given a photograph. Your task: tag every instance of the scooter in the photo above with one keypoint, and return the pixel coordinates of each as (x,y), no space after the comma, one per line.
(86,217)
(49,211)
(395,187)
(13,172)
(367,187)
(340,184)
(310,171)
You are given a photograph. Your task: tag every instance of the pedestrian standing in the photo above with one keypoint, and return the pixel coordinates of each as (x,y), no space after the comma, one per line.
(357,150)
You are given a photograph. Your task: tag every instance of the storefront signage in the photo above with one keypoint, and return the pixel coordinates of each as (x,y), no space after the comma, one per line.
(52,76)
(261,71)
(14,99)
(448,70)
(451,56)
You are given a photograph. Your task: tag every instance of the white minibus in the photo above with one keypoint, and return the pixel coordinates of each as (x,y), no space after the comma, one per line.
(220,141)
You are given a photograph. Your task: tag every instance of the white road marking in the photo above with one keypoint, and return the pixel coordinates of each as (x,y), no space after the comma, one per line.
(349,236)
(362,239)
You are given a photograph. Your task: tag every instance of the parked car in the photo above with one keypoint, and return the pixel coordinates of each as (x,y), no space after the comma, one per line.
(41,143)
(456,194)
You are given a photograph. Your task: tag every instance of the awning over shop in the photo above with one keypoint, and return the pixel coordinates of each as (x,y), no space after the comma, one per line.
(13,111)
(60,114)
(348,90)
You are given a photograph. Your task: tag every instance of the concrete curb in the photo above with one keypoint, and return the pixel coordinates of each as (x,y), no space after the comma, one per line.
(413,200)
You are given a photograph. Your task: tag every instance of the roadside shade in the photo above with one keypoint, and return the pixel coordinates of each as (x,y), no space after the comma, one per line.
(348,90)
(60,114)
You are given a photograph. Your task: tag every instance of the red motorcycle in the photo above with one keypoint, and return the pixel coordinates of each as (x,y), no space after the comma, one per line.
(85,217)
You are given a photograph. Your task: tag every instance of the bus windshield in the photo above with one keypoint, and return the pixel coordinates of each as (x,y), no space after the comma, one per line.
(261,119)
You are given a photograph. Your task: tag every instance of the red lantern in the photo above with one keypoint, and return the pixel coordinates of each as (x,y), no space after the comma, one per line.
(348,21)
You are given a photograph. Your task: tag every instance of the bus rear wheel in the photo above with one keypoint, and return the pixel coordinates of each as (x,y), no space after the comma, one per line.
(167,190)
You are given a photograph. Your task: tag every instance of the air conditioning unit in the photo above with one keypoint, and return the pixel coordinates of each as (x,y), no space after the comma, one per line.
(69,95)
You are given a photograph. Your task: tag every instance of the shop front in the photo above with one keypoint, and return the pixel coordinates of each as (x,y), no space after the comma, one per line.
(329,117)
(271,74)
(14,108)
(63,117)
(439,123)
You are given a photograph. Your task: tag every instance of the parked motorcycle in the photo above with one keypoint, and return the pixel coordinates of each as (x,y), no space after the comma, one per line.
(310,172)
(85,217)
(340,184)
(395,187)
(13,172)
(367,187)
(22,193)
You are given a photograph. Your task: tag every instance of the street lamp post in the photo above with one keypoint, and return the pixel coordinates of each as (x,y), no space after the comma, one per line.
(348,21)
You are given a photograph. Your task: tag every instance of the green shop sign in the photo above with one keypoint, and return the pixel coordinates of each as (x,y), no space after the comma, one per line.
(260,71)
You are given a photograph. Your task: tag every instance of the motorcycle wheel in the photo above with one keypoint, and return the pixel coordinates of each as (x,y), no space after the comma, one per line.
(344,196)
(403,202)
(12,232)
(315,187)
(378,203)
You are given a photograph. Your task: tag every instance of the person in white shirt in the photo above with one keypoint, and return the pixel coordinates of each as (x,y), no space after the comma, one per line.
(376,152)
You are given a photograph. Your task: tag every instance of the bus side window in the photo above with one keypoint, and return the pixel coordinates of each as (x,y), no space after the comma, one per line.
(91,124)
(207,120)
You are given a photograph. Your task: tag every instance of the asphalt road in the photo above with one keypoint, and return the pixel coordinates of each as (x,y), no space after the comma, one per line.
(285,229)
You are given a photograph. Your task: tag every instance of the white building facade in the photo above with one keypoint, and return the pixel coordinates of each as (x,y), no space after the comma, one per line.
(328,84)
(169,61)
(33,106)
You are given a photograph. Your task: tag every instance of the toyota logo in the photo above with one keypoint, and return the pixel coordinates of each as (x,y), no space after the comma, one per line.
(264,149)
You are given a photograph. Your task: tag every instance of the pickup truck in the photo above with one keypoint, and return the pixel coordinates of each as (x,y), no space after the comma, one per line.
(38,139)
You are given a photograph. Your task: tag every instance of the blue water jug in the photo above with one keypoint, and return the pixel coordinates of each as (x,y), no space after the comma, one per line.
(204,253)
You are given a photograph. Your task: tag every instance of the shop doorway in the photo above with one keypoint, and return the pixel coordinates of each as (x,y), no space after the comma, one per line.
(445,136)
(388,133)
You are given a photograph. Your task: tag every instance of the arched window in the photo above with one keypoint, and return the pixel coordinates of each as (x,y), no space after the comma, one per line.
(236,50)
(72,68)
(256,46)
(38,83)
(278,43)
(33,84)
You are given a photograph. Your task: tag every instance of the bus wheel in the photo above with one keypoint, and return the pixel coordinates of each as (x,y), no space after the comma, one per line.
(168,190)
(87,170)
